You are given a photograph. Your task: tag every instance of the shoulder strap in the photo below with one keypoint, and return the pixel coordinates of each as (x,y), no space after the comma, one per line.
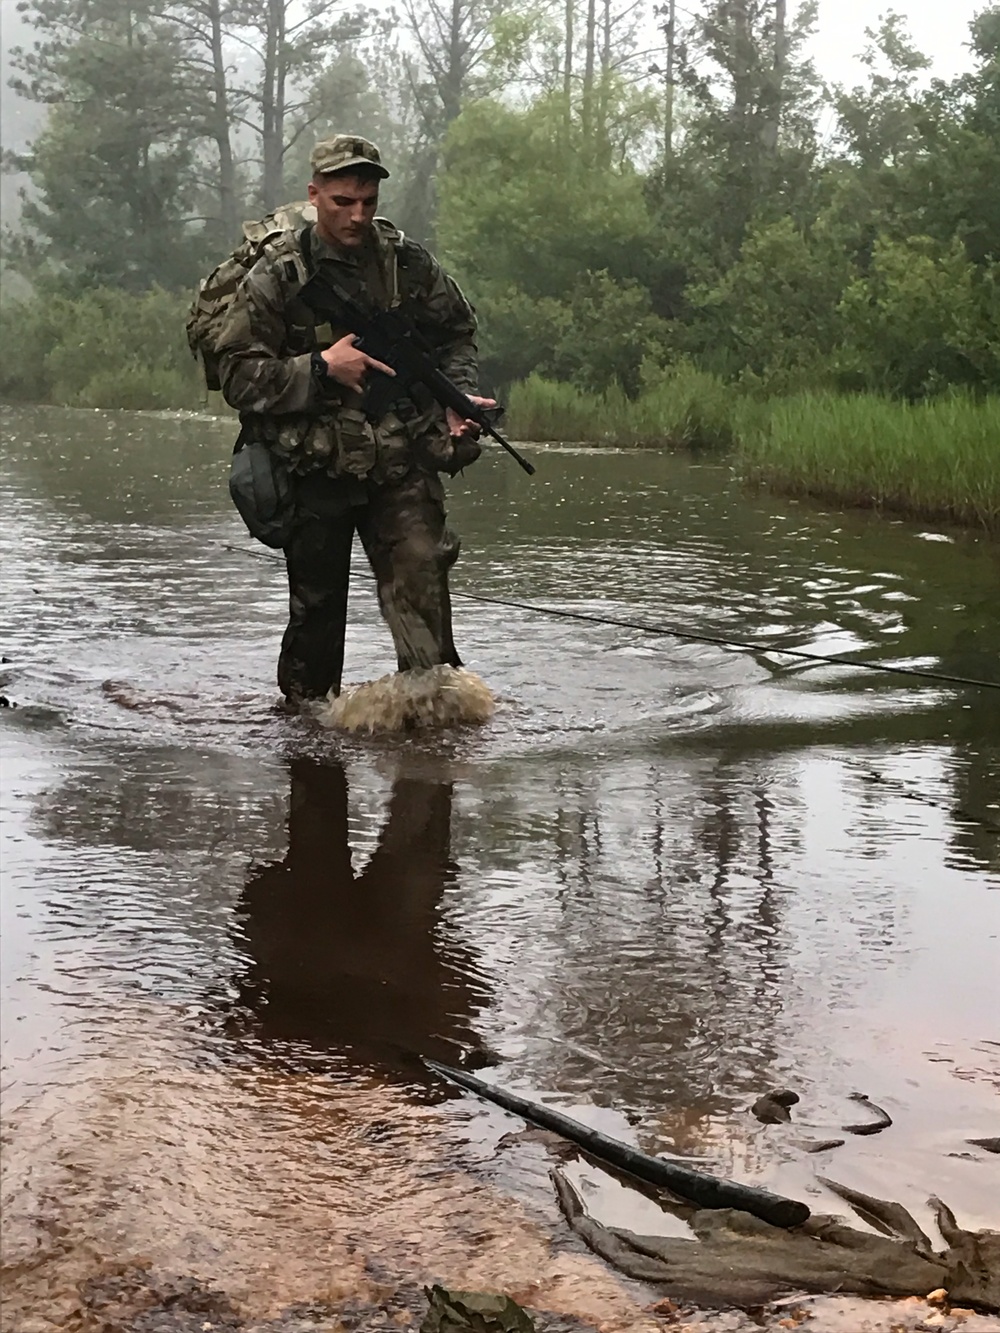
(292,250)
(305,245)
(391,241)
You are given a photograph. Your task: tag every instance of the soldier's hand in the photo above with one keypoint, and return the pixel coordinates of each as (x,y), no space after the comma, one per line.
(458,426)
(349,365)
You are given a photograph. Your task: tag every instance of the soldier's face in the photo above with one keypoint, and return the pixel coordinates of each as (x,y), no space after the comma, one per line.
(345,206)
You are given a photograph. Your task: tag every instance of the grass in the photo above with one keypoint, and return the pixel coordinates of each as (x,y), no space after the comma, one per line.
(938,460)
(686,409)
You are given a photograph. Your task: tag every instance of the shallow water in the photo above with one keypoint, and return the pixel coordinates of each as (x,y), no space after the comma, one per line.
(664,878)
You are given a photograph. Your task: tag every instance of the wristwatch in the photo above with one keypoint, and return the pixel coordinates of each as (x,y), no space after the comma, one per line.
(326,385)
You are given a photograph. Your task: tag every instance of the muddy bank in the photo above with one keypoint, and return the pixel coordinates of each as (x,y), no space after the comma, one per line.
(131,1297)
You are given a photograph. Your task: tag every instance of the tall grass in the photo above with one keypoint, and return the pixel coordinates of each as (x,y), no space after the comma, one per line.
(685,409)
(937,460)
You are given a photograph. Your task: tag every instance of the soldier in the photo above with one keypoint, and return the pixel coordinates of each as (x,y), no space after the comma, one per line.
(299,385)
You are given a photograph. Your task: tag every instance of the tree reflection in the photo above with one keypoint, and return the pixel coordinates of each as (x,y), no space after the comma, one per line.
(652,950)
(975,840)
(356,964)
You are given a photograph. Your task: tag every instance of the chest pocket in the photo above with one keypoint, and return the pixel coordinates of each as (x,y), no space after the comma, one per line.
(303,333)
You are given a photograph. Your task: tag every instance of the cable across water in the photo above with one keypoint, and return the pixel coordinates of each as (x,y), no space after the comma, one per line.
(739,645)
(673,631)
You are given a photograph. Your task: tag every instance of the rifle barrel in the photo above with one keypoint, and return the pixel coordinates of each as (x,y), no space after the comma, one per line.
(517,457)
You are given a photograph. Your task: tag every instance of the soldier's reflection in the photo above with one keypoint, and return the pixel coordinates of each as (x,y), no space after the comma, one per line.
(354,963)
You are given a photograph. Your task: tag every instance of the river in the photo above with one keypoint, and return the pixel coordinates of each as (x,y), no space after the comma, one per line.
(666,877)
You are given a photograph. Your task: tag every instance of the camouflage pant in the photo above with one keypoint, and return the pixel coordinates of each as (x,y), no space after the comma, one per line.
(402,528)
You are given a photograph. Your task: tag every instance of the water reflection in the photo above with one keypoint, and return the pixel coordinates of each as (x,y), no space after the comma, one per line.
(351,962)
(653,963)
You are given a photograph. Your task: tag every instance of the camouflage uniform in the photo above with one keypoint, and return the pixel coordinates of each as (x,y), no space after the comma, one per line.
(381,480)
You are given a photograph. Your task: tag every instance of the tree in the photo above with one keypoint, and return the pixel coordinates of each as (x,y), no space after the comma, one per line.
(582,272)
(114,167)
(880,123)
(205,27)
(294,43)
(750,143)
(454,40)
(951,186)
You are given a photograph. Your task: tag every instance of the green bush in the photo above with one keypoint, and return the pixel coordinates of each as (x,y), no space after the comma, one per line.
(137,388)
(776,307)
(922,318)
(102,348)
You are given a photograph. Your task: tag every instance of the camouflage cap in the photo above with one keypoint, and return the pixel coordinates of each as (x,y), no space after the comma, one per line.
(344,151)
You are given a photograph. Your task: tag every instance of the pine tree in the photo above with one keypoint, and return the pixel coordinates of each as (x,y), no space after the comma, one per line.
(114,168)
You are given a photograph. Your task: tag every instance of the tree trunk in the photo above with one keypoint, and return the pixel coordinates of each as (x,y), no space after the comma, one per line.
(669,77)
(587,104)
(452,85)
(271,99)
(741,56)
(774,94)
(568,65)
(229,220)
(604,86)
(743,150)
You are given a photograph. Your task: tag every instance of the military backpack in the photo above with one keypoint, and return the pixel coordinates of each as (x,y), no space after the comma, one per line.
(217,291)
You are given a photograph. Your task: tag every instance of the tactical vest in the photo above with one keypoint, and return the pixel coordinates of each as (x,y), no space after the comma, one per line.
(280,236)
(340,440)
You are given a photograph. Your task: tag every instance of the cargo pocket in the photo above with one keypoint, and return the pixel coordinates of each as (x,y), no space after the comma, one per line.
(288,438)
(261,490)
(356,447)
(395,456)
(320,442)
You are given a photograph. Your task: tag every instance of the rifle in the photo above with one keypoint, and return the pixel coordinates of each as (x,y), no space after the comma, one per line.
(392,337)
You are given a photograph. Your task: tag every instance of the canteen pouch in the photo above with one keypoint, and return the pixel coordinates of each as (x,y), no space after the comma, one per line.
(262,491)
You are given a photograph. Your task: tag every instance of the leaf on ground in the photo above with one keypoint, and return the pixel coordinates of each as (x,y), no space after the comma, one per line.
(473,1312)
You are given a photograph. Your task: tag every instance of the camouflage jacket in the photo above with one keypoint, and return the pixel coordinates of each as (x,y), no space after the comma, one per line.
(266,343)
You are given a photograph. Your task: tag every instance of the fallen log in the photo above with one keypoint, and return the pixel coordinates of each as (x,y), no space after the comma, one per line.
(697,1186)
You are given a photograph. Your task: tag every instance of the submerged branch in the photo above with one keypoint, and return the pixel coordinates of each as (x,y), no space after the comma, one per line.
(697,1186)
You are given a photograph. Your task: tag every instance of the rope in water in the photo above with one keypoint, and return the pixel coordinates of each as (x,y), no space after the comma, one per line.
(672,631)
(740,645)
